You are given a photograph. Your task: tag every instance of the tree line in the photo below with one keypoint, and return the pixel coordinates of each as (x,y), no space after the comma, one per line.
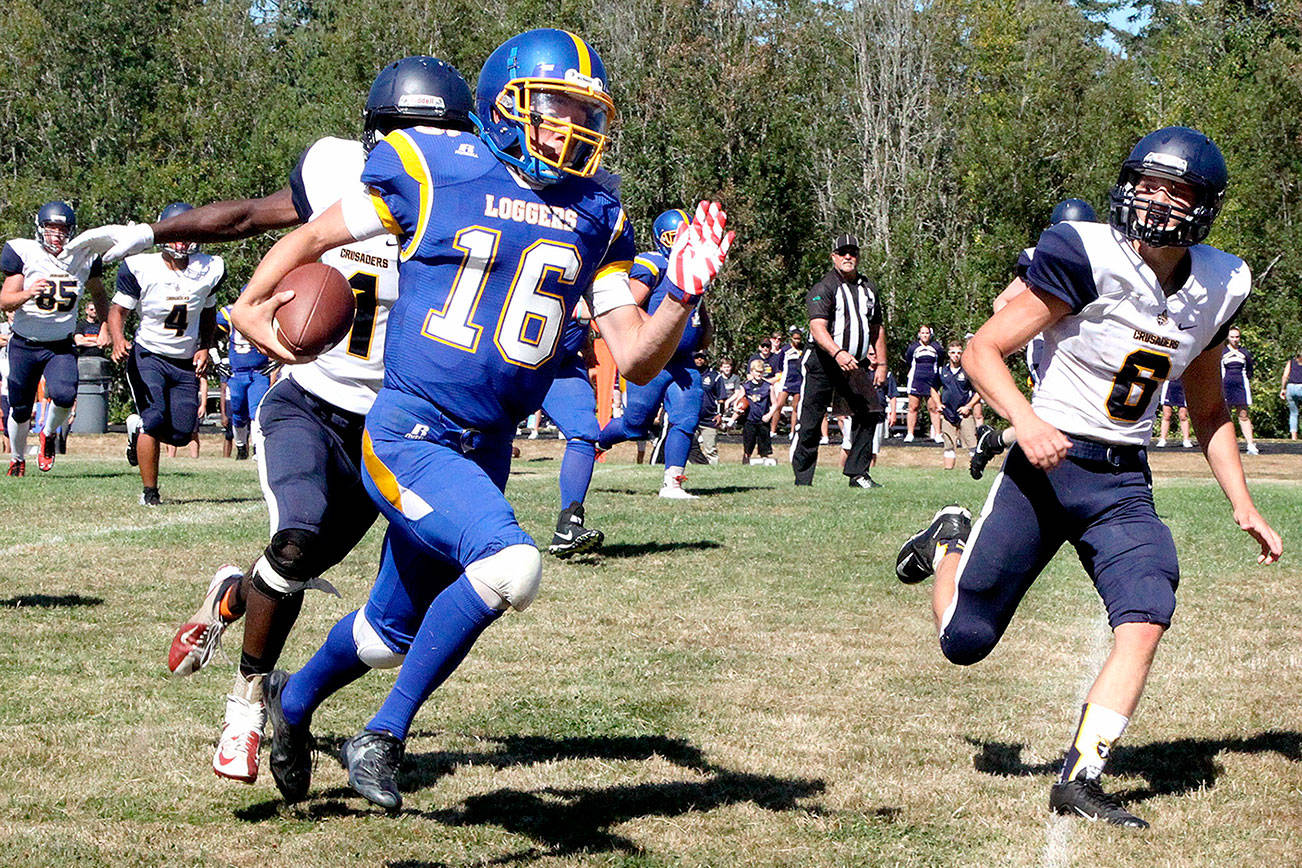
(940,132)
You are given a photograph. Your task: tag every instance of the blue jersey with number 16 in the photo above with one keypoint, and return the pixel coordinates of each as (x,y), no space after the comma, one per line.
(489,272)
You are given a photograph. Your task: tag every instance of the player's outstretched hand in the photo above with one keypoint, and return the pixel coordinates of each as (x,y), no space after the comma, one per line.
(1044,445)
(112,242)
(699,250)
(256,320)
(1251,522)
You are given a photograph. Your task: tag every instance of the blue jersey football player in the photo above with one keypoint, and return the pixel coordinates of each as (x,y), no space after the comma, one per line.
(248,378)
(499,236)
(678,386)
(1123,306)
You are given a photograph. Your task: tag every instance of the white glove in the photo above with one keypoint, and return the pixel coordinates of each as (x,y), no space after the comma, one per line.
(699,251)
(112,242)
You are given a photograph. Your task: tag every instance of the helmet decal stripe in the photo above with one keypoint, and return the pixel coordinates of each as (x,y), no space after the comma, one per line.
(585,57)
(413,162)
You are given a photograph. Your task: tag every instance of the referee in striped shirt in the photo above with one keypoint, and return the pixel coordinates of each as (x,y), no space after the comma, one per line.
(845,320)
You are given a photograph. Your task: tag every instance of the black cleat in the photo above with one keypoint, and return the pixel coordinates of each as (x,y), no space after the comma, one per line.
(291,746)
(989,444)
(915,560)
(150,497)
(1084,797)
(864,481)
(242,452)
(372,760)
(133,435)
(571,537)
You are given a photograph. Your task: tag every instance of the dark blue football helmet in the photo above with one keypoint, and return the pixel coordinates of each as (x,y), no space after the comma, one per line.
(417,90)
(552,81)
(177,249)
(61,219)
(1176,153)
(665,228)
(1073,209)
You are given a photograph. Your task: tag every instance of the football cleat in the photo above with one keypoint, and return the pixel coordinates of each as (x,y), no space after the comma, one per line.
(149,497)
(291,745)
(864,481)
(17,467)
(571,537)
(1084,797)
(916,559)
(236,756)
(45,451)
(372,760)
(673,489)
(133,435)
(989,444)
(197,640)
(242,452)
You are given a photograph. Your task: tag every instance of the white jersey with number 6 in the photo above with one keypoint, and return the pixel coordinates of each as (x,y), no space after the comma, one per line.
(350,374)
(1124,337)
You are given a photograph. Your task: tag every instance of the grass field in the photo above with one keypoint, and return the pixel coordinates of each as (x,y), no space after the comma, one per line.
(738,680)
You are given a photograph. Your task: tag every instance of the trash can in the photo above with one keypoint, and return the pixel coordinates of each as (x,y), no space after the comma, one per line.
(94,377)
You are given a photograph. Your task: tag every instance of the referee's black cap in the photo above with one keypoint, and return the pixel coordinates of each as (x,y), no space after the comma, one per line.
(841,242)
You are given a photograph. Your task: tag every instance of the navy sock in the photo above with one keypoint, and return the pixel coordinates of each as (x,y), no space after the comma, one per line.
(576,471)
(451,625)
(334,665)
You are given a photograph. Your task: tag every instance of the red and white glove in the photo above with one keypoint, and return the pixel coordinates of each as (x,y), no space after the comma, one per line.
(698,252)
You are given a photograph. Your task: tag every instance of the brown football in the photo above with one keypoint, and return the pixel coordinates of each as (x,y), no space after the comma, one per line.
(320,313)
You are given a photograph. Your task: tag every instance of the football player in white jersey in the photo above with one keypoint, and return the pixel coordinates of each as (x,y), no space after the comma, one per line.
(43,284)
(174,293)
(1123,307)
(310,421)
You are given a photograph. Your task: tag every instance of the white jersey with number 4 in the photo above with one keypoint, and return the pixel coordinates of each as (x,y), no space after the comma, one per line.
(170,303)
(50,315)
(350,374)
(1124,337)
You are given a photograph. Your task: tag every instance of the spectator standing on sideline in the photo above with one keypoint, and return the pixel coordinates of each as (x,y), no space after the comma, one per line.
(1172,395)
(923,358)
(957,401)
(1236,371)
(845,319)
(1290,389)
(755,430)
(729,383)
(86,337)
(712,395)
(790,380)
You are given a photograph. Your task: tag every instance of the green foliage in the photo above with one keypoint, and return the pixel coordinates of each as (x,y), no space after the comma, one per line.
(941,133)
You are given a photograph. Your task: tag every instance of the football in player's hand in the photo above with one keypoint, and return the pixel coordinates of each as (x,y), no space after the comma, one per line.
(742,405)
(320,313)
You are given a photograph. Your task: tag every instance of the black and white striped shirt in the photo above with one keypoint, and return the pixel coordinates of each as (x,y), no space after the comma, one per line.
(851,309)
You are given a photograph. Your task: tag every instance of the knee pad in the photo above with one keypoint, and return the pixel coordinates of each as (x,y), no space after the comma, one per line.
(513,574)
(288,566)
(371,649)
(20,414)
(967,642)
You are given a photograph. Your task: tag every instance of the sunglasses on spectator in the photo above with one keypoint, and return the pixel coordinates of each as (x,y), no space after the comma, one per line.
(848,251)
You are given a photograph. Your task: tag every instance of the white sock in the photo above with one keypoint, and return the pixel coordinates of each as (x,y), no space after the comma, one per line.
(18,439)
(1088,753)
(671,473)
(55,418)
(241,435)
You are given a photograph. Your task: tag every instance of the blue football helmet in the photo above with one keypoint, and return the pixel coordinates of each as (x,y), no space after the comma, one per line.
(176,250)
(550,81)
(1073,209)
(418,90)
(1180,154)
(56,222)
(665,228)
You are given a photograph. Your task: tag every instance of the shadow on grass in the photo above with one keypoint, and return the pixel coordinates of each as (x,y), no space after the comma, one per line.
(700,490)
(570,820)
(45,601)
(1170,767)
(637,550)
(177,501)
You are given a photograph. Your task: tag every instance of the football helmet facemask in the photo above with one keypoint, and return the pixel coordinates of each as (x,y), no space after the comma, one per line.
(543,107)
(1178,154)
(417,90)
(177,250)
(665,228)
(56,222)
